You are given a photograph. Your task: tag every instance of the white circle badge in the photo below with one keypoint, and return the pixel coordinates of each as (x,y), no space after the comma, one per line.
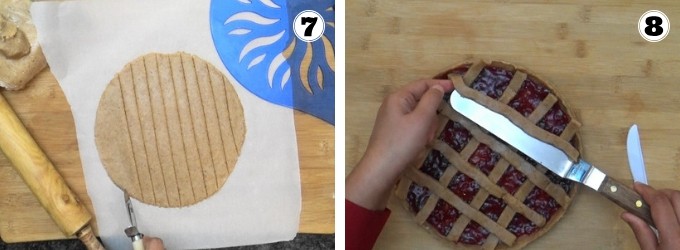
(654,26)
(308,25)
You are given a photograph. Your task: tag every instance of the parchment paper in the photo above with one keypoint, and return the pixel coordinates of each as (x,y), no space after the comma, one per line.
(87,43)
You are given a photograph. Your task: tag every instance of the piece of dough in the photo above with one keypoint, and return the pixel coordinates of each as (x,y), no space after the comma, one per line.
(21,57)
(169,129)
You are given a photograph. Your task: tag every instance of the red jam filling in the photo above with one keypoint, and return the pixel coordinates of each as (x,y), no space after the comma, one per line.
(484,158)
(435,164)
(417,196)
(464,186)
(443,216)
(455,135)
(520,225)
(528,97)
(555,120)
(473,234)
(493,207)
(539,201)
(492,81)
(511,180)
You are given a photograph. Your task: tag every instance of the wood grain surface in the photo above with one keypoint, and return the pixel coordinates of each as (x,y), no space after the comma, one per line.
(43,109)
(39,173)
(590,51)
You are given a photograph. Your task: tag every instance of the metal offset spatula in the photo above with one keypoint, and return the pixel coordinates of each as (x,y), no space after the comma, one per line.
(551,157)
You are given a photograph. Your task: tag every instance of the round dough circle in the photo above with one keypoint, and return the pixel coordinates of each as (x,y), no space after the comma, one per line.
(169,129)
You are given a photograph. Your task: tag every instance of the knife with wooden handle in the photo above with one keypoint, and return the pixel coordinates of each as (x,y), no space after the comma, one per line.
(43,179)
(551,157)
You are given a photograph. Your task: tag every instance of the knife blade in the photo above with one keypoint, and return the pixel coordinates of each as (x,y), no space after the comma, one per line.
(551,157)
(132,231)
(635,159)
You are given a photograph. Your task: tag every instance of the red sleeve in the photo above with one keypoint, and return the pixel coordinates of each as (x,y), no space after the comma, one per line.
(362,226)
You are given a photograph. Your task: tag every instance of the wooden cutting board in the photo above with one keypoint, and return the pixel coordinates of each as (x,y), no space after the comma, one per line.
(44,110)
(590,50)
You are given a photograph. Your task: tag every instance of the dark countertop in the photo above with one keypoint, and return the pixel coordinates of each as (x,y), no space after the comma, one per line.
(301,241)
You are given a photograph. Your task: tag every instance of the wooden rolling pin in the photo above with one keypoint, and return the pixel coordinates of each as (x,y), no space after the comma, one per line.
(43,179)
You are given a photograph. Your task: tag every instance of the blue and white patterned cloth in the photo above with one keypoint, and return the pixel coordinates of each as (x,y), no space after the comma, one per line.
(256,43)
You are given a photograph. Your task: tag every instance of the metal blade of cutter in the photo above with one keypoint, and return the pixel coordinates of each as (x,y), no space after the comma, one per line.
(131,231)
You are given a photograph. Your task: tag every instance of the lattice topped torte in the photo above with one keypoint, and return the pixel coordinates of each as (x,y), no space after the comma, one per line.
(474,190)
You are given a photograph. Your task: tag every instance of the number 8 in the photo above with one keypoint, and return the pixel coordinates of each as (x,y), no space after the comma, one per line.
(653,26)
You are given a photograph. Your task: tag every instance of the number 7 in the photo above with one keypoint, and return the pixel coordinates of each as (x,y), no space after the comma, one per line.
(311,21)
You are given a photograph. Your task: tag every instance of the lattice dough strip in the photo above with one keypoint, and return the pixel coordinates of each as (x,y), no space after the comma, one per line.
(498,170)
(542,108)
(512,89)
(479,199)
(449,173)
(491,242)
(402,189)
(473,72)
(570,130)
(427,209)
(458,228)
(506,217)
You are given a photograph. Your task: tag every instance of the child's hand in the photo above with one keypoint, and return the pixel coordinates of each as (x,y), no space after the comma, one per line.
(665,208)
(405,124)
